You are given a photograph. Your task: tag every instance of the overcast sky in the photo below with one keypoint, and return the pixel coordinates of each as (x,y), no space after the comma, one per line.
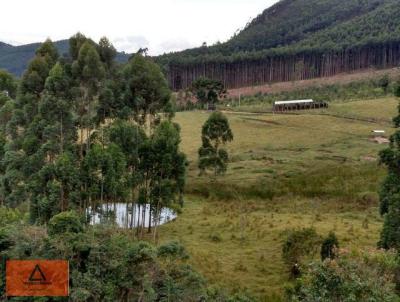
(160,25)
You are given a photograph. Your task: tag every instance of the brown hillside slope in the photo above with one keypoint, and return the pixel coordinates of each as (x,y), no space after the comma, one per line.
(393,73)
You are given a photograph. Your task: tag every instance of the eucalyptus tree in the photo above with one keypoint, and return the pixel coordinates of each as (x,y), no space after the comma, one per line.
(24,128)
(50,143)
(216,132)
(169,164)
(164,169)
(56,109)
(34,78)
(129,138)
(107,52)
(89,71)
(146,90)
(105,174)
(75,44)
(59,131)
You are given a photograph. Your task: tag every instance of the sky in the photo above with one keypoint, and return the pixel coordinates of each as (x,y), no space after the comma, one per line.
(160,25)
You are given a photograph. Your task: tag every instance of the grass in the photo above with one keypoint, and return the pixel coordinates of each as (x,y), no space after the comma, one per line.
(247,254)
(287,171)
(270,147)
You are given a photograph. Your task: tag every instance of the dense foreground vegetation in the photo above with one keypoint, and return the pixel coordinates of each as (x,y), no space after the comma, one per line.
(106,264)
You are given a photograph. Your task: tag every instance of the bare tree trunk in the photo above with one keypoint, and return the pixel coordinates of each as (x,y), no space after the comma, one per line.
(88,126)
(149,224)
(143,222)
(81,144)
(102,188)
(156,222)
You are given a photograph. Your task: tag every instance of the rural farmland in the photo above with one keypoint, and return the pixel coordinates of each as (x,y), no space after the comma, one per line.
(201,151)
(310,169)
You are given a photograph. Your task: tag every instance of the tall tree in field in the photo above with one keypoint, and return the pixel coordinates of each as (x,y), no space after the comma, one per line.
(208,92)
(215,134)
(390,191)
(146,92)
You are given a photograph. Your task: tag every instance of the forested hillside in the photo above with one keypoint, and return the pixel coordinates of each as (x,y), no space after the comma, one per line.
(15,59)
(297,39)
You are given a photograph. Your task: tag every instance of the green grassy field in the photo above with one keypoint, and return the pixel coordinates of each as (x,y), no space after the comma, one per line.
(316,168)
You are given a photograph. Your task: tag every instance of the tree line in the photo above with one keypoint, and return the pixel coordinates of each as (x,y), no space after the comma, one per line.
(256,69)
(82,130)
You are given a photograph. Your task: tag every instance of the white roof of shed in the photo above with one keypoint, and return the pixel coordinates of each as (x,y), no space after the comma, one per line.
(293,102)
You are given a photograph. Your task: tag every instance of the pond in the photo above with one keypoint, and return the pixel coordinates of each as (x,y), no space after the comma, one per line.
(125,216)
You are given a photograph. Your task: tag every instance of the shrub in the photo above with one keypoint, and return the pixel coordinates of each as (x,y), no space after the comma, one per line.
(65,222)
(5,239)
(215,237)
(329,247)
(9,216)
(384,82)
(344,280)
(397,90)
(172,250)
(300,245)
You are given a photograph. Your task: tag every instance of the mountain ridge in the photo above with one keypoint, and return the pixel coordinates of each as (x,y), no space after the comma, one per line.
(15,59)
(296,40)
(293,26)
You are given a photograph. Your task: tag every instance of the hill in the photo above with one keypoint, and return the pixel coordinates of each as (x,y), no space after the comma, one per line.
(16,58)
(296,40)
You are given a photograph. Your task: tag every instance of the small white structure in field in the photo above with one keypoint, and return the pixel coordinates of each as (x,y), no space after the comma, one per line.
(294,102)
(378,133)
(379,137)
(282,106)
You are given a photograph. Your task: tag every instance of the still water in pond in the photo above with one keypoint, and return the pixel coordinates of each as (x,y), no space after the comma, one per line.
(124,216)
